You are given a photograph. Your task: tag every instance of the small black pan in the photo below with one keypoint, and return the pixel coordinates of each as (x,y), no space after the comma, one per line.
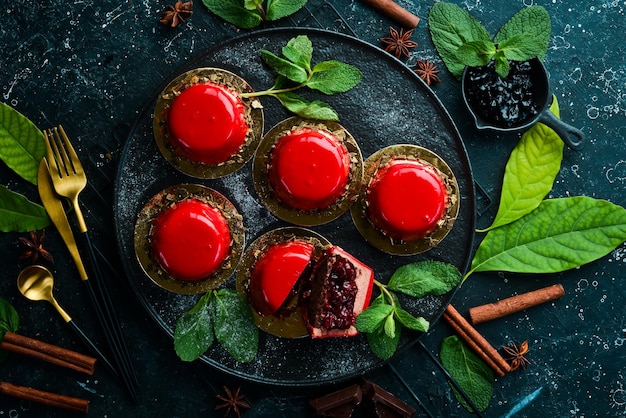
(572,137)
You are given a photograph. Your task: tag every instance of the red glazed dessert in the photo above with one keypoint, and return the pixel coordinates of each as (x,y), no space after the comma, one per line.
(339,289)
(206,123)
(190,240)
(276,273)
(309,169)
(406,199)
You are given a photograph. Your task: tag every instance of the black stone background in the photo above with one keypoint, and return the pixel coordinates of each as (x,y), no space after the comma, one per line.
(91,65)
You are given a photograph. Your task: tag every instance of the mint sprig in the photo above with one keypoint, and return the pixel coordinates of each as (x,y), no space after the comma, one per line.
(461,40)
(220,315)
(469,371)
(384,320)
(248,14)
(296,71)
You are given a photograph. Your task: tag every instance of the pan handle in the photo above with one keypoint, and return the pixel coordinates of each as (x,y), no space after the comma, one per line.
(573,137)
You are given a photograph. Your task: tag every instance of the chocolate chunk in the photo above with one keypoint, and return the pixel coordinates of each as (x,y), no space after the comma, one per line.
(338,404)
(386,404)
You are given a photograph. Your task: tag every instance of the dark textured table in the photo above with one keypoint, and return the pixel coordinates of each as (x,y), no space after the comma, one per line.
(91,66)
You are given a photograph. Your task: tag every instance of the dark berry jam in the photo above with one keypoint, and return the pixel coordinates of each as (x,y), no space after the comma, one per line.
(504,103)
(338,309)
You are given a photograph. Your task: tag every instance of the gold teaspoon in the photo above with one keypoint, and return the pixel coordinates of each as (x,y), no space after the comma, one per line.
(35,283)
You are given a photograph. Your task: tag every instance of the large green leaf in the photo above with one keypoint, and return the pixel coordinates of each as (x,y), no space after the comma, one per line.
(533,23)
(450,27)
(559,235)
(21,144)
(530,172)
(18,214)
(470,372)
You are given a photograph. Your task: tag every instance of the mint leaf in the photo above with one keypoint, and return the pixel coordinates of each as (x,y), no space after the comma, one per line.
(9,322)
(233,325)
(288,69)
(233,11)
(520,47)
(560,234)
(252,4)
(476,53)
(299,50)
(18,214)
(450,27)
(424,278)
(534,23)
(530,172)
(390,327)
(373,317)
(9,319)
(469,371)
(332,77)
(277,9)
(409,321)
(309,110)
(21,144)
(382,345)
(502,65)
(193,334)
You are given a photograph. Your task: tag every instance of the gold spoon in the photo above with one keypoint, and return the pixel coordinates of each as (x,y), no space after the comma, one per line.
(35,283)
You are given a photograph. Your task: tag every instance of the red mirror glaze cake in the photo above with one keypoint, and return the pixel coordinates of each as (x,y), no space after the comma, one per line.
(190,240)
(206,123)
(276,272)
(406,199)
(309,169)
(410,200)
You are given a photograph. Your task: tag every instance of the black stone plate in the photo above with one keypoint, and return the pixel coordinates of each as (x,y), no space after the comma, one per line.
(391,105)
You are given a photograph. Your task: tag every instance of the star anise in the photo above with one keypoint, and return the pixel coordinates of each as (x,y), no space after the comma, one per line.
(427,71)
(516,355)
(232,401)
(399,42)
(176,14)
(35,247)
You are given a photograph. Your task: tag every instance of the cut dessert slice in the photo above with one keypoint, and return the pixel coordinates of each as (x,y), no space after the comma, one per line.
(339,289)
(276,272)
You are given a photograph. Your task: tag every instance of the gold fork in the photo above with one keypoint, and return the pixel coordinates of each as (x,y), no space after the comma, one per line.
(69,179)
(66,171)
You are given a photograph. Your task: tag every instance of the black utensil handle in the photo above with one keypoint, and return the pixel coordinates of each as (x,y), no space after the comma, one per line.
(106,314)
(573,137)
(92,347)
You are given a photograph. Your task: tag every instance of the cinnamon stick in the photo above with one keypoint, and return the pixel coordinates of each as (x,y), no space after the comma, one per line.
(476,341)
(45,398)
(490,311)
(395,12)
(50,353)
